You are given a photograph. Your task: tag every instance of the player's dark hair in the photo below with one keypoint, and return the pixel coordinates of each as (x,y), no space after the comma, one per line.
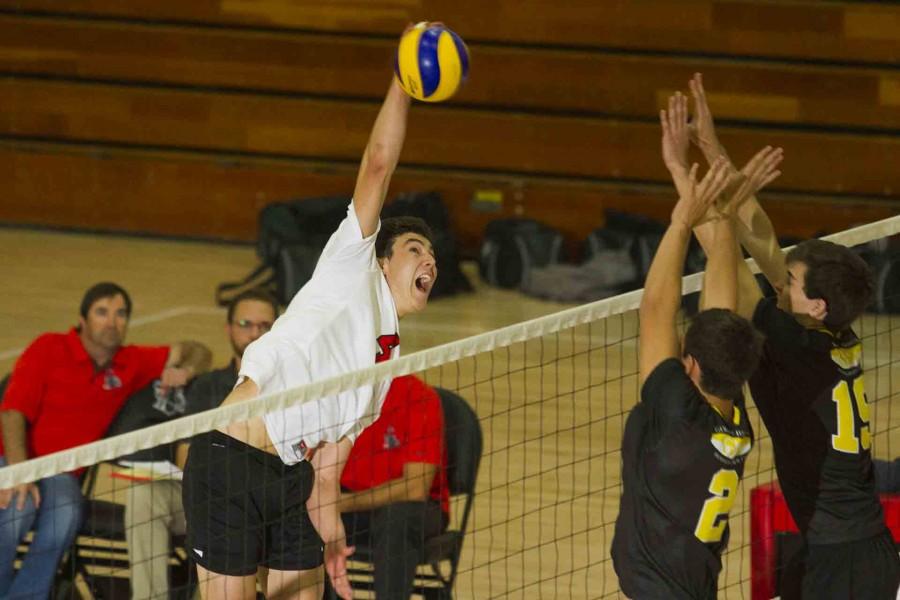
(837,275)
(727,347)
(104,289)
(394,227)
(257,294)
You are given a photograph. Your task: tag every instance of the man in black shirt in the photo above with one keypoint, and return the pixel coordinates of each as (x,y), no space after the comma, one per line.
(810,393)
(685,443)
(153,510)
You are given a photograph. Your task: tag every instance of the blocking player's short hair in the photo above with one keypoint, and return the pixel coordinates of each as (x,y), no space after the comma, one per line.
(394,227)
(727,347)
(257,294)
(104,289)
(837,275)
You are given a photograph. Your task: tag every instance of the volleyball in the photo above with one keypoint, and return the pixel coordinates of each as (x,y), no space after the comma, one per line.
(432,62)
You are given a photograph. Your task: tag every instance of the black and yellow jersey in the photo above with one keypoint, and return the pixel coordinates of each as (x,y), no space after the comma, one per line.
(810,393)
(682,462)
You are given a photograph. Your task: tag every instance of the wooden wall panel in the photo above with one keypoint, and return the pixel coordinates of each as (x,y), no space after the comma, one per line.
(437,136)
(277,98)
(843,31)
(194,194)
(502,77)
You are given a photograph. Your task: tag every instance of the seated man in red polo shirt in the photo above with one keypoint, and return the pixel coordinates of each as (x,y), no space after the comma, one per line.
(63,392)
(395,484)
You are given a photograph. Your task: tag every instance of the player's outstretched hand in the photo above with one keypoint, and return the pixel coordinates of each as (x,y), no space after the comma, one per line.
(698,197)
(702,129)
(336,554)
(675,139)
(760,171)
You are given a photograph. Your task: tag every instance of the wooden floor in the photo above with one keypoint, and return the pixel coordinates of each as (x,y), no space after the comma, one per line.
(552,408)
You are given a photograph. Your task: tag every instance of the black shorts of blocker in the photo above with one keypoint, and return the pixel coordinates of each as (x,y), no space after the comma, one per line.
(244,508)
(868,568)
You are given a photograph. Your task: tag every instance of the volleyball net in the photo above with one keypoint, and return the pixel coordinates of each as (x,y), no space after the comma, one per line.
(551,397)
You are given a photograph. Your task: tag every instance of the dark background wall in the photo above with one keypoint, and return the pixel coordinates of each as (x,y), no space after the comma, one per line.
(185,117)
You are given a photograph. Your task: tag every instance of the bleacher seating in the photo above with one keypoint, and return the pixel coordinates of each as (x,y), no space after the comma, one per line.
(262,101)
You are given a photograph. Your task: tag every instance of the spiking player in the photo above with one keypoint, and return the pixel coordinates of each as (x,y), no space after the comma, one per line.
(810,393)
(685,442)
(254,490)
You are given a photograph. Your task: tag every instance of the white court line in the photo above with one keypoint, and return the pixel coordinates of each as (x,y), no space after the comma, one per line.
(175,312)
(170,313)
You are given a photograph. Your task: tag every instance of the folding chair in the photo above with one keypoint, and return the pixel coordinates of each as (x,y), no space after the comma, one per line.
(441,557)
(774,537)
(98,561)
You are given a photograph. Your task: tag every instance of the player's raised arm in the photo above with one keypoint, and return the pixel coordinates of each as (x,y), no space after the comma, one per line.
(761,170)
(752,225)
(662,290)
(715,232)
(757,235)
(702,127)
(380,158)
(676,141)
(720,280)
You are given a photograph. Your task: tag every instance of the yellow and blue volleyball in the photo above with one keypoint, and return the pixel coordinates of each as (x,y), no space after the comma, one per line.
(432,62)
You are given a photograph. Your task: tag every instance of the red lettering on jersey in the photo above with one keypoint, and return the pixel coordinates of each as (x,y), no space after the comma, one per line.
(386,343)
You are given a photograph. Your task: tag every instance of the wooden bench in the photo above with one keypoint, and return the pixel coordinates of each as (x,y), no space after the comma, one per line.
(447,137)
(604,83)
(841,31)
(277,99)
(219,196)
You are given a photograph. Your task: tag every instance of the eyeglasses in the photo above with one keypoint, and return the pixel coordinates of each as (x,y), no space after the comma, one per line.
(247,324)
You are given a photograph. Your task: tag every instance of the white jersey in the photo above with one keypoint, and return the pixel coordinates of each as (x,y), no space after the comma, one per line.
(341,321)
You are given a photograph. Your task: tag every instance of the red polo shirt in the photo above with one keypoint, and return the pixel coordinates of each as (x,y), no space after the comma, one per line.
(409,429)
(65,399)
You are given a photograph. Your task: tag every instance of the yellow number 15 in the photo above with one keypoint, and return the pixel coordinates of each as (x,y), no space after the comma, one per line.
(847,439)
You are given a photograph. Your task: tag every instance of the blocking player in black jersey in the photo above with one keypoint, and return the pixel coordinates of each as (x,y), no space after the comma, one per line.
(685,442)
(810,393)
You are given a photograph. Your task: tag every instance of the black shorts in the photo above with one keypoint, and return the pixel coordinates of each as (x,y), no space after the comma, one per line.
(245,508)
(868,568)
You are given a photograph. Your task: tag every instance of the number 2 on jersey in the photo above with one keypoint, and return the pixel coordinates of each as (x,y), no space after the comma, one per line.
(847,440)
(713,517)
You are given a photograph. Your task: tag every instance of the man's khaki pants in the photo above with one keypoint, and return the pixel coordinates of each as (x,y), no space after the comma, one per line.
(153,514)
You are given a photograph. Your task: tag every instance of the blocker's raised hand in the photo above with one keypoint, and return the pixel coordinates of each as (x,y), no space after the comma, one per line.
(676,139)
(759,172)
(701,128)
(698,197)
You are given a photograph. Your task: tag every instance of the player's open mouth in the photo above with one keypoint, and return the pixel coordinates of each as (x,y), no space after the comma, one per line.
(423,283)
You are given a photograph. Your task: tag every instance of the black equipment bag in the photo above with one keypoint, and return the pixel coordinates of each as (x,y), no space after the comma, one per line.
(291,237)
(883,258)
(640,237)
(638,234)
(512,247)
(601,242)
(886,272)
(429,207)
